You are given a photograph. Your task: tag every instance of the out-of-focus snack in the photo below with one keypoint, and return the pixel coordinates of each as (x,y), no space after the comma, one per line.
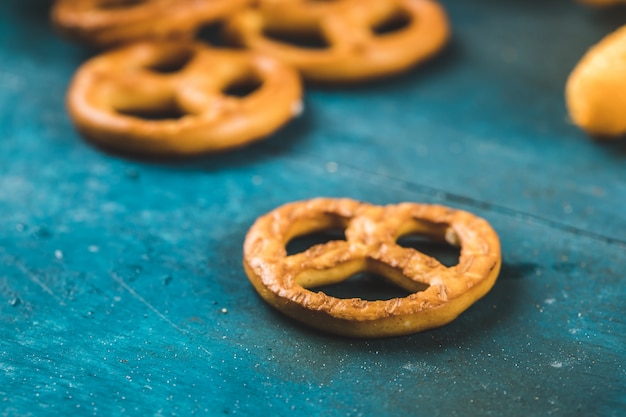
(105,23)
(603,2)
(181,98)
(346,40)
(596,89)
(438,293)
(296,15)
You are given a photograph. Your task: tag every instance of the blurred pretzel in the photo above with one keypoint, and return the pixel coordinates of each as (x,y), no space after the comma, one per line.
(596,89)
(438,293)
(352,49)
(172,98)
(105,23)
(305,15)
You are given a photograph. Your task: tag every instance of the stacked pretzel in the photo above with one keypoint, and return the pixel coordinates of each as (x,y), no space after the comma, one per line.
(161,92)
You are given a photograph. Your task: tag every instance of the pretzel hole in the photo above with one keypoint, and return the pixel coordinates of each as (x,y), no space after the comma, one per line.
(309,39)
(439,249)
(212,33)
(119,4)
(243,87)
(397,21)
(366,285)
(301,243)
(172,61)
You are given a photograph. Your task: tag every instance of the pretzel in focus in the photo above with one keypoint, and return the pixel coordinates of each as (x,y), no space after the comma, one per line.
(596,89)
(354,51)
(114,98)
(438,293)
(111,22)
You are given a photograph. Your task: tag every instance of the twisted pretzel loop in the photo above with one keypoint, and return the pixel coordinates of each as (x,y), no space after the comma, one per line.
(354,52)
(111,22)
(438,293)
(110,93)
(305,15)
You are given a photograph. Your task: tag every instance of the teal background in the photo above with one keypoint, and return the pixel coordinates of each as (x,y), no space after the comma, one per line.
(114,272)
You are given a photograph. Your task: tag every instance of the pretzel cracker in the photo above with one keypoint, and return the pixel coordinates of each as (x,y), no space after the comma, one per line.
(438,293)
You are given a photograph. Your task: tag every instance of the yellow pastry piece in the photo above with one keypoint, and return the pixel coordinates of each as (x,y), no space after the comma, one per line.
(596,89)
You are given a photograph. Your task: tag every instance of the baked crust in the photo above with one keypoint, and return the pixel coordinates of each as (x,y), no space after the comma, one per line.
(110,93)
(354,52)
(106,23)
(438,293)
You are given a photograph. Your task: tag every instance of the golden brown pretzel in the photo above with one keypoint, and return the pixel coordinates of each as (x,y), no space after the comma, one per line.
(110,22)
(596,89)
(305,15)
(354,52)
(111,93)
(439,294)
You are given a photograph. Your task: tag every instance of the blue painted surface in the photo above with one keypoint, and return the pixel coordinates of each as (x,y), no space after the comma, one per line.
(121,286)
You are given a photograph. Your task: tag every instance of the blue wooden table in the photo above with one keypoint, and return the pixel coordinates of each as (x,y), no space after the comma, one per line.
(121,285)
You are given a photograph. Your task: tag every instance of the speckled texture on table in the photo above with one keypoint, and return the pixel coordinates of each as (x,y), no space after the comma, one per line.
(121,285)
